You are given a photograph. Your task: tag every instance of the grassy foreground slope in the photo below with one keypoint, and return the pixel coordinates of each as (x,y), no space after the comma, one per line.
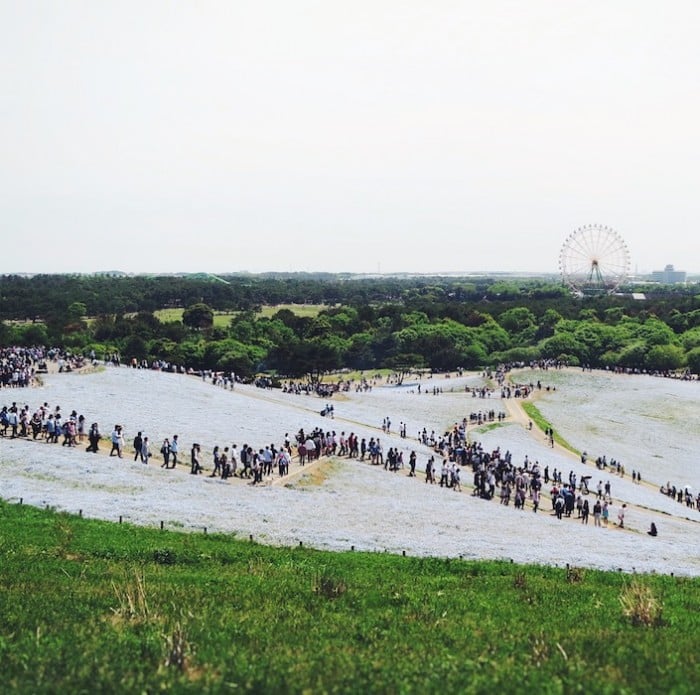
(92,606)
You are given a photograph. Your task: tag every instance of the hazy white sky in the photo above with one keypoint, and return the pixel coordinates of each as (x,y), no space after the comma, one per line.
(345,136)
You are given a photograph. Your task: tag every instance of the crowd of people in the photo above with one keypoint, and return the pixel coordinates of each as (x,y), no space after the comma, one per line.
(494,475)
(44,423)
(254,464)
(682,495)
(18,366)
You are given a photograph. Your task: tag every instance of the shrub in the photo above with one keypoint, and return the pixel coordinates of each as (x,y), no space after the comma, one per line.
(574,575)
(329,586)
(164,556)
(639,605)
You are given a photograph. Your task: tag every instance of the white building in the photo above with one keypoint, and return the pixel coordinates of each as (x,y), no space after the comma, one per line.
(668,276)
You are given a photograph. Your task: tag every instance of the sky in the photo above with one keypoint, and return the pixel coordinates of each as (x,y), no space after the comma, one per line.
(366,136)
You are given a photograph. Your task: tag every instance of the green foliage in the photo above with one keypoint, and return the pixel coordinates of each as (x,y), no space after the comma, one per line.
(562,343)
(77,310)
(665,358)
(655,332)
(355,323)
(135,347)
(504,290)
(198,316)
(517,354)
(693,360)
(404,363)
(633,355)
(517,319)
(360,353)
(690,339)
(231,355)
(90,606)
(30,334)
(492,336)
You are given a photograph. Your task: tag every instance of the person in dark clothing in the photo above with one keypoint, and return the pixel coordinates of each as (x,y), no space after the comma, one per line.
(138,441)
(194,457)
(93,438)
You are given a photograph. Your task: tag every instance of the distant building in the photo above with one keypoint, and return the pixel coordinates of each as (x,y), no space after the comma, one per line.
(668,276)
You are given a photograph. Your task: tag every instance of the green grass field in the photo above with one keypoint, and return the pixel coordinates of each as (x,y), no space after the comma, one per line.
(89,606)
(222,319)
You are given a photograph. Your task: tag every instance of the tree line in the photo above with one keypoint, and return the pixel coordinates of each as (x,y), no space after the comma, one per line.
(404,324)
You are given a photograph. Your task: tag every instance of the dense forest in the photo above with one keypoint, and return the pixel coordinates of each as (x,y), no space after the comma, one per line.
(410,323)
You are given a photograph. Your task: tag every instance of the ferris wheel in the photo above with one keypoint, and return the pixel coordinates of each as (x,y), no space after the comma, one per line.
(594,260)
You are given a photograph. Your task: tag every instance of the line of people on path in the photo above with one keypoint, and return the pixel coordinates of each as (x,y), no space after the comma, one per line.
(682,495)
(496,476)
(44,424)
(254,464)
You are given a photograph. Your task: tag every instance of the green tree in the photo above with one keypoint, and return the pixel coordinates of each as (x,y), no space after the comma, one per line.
(189,354)
(517,319)
(7,335)
(77,311)
(504,290)
(655,332)
(613,315)
(562,344)
(360,353)
(198,316)
(516,354)
(588,314)
(243,328)
(633,354)
(665,358)
(547,324)
(32,334)
(404,364)
(322,355)
(135,347)
(473,356)
(690,339)
(492,336)
(693,360)
(104,327)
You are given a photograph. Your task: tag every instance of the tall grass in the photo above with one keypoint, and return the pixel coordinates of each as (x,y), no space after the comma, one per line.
(88,606)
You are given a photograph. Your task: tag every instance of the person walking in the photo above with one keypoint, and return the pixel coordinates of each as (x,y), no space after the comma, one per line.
(117,441)
(195,466)
(412,465)
(145,452)
(585,510)
(597,510)
(165,451)
(138,440)
(621,516)
(93,438)
(174,449)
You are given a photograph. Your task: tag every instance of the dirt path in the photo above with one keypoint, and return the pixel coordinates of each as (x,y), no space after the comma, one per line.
(517,414)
